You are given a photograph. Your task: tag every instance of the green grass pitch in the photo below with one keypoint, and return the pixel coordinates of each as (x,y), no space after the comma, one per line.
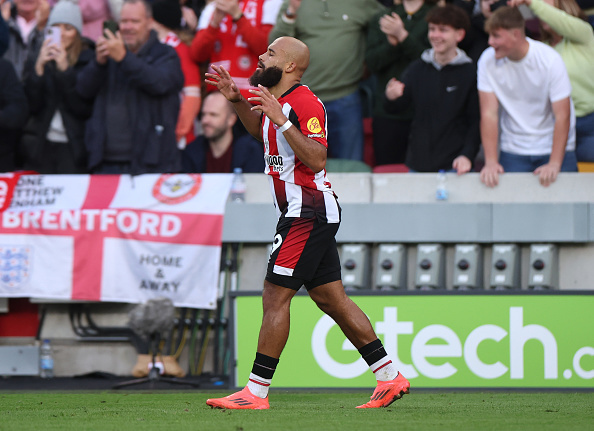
(296,410)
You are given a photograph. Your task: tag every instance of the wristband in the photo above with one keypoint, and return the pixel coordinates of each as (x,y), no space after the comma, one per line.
(285,126)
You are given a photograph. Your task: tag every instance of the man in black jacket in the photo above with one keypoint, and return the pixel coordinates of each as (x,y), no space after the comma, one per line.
(441,87)
(135,81)
(26,20)
(14,112)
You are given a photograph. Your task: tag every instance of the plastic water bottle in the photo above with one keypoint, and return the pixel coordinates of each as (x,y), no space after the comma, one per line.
(441,193)
(46,360)
(238,186)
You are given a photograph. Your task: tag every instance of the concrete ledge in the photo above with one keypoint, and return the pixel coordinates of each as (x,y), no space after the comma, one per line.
(431,222)
(556,222)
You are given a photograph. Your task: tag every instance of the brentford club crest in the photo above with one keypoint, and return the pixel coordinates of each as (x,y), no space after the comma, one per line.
(15,265)
(174,189)
(245,62)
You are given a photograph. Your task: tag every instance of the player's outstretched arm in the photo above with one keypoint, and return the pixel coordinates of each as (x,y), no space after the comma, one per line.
(225,84)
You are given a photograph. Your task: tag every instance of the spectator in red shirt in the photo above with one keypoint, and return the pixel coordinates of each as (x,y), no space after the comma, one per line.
(233,34)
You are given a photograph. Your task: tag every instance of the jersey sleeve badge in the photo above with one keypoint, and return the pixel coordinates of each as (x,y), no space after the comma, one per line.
(315,128)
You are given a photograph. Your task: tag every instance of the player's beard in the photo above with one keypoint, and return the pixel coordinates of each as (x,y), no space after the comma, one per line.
(268,77)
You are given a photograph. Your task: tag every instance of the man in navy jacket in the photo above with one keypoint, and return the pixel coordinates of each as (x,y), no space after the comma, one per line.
(218,150)
(135,81)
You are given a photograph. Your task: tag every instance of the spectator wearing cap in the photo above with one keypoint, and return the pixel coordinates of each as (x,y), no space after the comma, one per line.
(53,140)
(167,18)
(136,81)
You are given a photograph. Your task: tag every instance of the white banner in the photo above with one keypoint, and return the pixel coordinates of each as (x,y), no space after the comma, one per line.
(114,238)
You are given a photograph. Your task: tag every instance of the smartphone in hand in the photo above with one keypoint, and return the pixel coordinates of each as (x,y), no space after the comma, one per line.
(54,34)
(111,26)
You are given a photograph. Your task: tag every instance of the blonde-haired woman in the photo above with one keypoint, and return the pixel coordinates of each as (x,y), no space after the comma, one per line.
(564,26)
(53,140)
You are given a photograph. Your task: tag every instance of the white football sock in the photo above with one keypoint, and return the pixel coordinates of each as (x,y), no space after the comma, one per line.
(258,385)
(384,370)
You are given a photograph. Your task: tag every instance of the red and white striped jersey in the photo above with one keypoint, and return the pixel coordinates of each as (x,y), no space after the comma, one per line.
(296,189)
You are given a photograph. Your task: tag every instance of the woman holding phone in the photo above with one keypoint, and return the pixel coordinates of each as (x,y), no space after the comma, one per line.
(53,140)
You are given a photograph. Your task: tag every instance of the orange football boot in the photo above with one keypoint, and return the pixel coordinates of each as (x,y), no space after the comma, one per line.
(243,399)
(387,392)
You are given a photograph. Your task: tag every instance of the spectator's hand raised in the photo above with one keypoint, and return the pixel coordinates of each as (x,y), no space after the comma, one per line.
(115,42)
(269,105)
(393,27)
(223,81)
(230,7)
(101,50)
(394,89)
(113,45)
(5,9)
(217,17)
(60,56)
(45,55)
(294,5)
(48,52)
(547,174)
(190,17)
(42,14)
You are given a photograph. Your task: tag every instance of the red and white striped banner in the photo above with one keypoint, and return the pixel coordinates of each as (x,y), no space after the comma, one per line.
(113,238)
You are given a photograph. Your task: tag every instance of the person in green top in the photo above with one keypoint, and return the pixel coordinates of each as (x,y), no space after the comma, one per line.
(395,39)
(335,32)
(564,26)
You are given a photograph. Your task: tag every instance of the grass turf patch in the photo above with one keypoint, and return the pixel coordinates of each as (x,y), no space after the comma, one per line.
(296,410)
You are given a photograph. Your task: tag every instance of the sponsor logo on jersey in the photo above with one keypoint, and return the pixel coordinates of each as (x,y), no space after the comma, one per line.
(275,162)
(313,125)
(245,62)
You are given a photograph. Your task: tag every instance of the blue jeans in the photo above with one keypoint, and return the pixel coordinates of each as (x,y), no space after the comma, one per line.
(520,163)
(584,138)
(345,127)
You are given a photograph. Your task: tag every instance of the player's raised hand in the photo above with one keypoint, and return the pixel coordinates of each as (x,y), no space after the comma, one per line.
(225,84)
(269,106)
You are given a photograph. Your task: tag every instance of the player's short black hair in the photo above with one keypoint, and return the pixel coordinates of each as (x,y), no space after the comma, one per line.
(451,15)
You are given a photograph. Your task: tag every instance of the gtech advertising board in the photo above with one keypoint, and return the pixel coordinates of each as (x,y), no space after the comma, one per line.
(447,341)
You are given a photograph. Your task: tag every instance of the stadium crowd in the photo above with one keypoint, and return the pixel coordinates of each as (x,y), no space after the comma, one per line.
(116,86)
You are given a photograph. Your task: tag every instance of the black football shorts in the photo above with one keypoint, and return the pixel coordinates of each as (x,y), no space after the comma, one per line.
(304,252)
